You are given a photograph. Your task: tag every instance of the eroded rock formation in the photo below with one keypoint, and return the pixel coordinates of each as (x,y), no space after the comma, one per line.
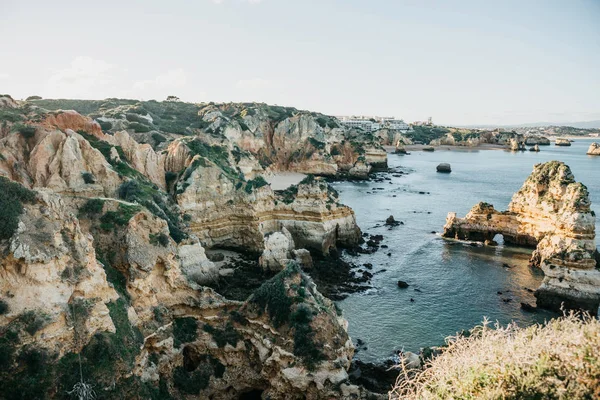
(104,270)
(594,149)
(551,212)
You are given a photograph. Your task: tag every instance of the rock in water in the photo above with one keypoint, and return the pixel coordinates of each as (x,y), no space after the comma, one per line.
(594,149)
(444,167)
(391,221)
(528,307)
(562,142)
(552,213)
(428,148)
(403,285)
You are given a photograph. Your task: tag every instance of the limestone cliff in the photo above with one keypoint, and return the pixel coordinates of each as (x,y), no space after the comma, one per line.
(551,212)
(140,325)
(103,274)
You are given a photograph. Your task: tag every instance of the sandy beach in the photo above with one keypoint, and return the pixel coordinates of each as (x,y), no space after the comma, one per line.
(283,180)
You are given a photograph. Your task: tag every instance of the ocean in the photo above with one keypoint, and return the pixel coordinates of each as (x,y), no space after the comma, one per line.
(453,285)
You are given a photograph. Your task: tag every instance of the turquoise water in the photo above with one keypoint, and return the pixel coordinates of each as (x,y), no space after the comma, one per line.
(458,283)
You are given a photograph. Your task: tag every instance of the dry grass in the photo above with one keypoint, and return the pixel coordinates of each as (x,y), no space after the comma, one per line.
(560,360)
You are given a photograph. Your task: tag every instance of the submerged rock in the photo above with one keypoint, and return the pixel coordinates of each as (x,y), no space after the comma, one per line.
(528,307)
(551,213)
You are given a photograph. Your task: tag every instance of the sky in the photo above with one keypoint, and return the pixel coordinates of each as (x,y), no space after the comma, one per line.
(457,61)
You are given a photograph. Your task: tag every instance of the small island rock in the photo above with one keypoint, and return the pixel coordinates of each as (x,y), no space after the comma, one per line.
(444,168)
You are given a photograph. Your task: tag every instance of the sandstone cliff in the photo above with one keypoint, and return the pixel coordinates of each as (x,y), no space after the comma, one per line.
(551,212)
(104,230)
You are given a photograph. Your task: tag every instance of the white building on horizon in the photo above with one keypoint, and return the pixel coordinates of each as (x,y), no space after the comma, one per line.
(372,124)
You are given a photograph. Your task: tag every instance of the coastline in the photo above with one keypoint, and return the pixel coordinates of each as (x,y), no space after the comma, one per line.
(420,147)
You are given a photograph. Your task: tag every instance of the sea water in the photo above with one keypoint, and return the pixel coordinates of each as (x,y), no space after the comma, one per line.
(453,285)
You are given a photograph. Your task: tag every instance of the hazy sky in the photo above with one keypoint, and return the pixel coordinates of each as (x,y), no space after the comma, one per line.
(460,62)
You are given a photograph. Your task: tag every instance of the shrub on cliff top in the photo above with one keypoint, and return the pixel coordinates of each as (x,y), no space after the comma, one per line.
(554,361)
(12,197)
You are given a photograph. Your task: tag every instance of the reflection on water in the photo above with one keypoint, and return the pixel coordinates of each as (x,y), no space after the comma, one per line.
(453,284)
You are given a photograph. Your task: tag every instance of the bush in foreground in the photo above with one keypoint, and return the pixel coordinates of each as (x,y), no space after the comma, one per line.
(560,360)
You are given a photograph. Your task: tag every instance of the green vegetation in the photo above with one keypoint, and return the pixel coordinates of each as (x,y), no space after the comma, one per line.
(12,197)
(554,361)
(147,194)
(83,107)
(27,131)
(304,345)
(105,148)
(284,307)
(3,307)
(288,195)
(426,134)
(255,183)
(139,128)
(33,321)
(158,138)
(11,115)
(105,125)
(92,207)
(308,179)
(185,330)
(159,239)
(106,355)
(273,297)
(113,275)
(111,219)
(88,178)
(316,144)
(225,336)
(192,382)
(217,154)
(278,113)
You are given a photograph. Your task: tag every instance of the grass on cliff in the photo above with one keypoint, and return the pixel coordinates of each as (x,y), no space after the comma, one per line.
(286,306)
(12,197)
(560,360)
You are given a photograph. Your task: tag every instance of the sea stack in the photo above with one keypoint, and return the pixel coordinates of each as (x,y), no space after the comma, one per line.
(594,149)
(551,213)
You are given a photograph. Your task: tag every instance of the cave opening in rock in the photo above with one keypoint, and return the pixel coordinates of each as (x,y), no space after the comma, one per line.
(255,394)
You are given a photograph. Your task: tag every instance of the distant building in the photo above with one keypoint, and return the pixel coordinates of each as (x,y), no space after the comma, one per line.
(372,124)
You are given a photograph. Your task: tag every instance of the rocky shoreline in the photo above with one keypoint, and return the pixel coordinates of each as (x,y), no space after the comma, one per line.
(552,214)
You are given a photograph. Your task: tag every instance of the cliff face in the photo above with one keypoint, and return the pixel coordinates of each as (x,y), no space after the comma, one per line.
(104,268)
(551,212)
(145,328)
(50,281)
(226,213)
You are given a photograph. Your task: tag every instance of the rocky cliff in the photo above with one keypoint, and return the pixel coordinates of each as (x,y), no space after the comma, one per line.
(551,212)
(105,222)
(594,149)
